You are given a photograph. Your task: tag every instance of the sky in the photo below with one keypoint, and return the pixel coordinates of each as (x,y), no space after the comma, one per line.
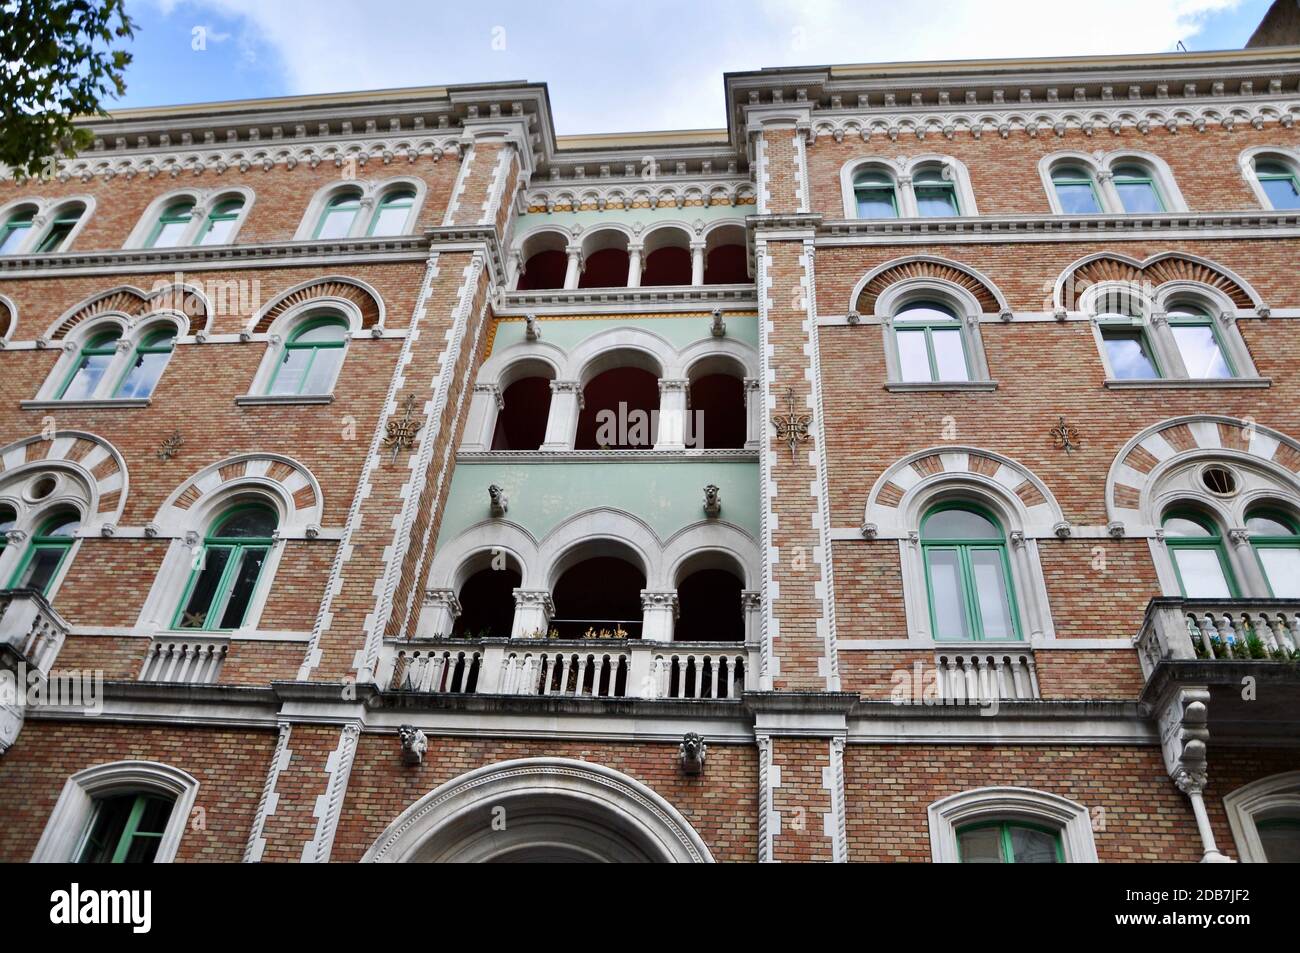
(615,66)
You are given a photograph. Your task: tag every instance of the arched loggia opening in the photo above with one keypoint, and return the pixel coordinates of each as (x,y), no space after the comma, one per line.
(525,406)
(620,403)
(709,602)
(599,594)
(487,602)
(605,262)
(667,258)
(545,262)
(718,417)
(726,259)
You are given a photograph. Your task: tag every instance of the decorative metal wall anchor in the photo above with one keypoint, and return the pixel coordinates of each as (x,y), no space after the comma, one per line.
(792,429)
(171,446)
(1065,436)
(401,432)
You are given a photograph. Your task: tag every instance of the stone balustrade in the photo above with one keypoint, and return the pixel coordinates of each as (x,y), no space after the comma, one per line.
(31,627)
(190,661)
(1216,629)
(590,668)
(976,675)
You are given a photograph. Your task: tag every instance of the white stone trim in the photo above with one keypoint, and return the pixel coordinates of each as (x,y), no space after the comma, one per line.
(1100,167)
(66,829)
(662,832)
(1059,287)
(329,806)
(204,201)
(133,331)
(1257,801)
(372,192)
(270,799)
(1010,803)
(47,209)
(901,171)
(1287,156)
(284,327)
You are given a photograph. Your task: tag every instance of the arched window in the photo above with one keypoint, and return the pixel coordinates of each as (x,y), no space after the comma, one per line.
(221,222)
(126,829)
(65,220)
(394,209)
(875,194)
(930,343)
(311,357)
(1076,191)
(710,607)
(92,361)
(968,576)
(1137,189)
(936,197)
(46,552)
(1200,562)
(1279,183)
(521,421)
(599,595)
(147,363)
(15,230)
(226,570)
(1008,842)
(487,604)
(1280,838)
(1275,537)
(339,215)
(1124,337)
(8,520)
(172,225)
(1198,342)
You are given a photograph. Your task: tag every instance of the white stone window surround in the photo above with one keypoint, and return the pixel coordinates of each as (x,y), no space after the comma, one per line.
(1154,308)
(570,371)
(47,210)
(1261,800)
(964,304)
(1024,526)
(205,200)
(283,328)
(372,192)
(594,532)
(1101,167)
(187,528)
(134,331)
(901,172)
(1071,821)
(1286,156)
(72,491)
(66,830)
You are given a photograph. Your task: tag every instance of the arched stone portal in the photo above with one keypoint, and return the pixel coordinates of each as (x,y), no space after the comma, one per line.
(548,810)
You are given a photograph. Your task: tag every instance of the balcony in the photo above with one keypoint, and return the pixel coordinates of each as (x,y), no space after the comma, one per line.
(1218,630)
(585,668)
(30,628)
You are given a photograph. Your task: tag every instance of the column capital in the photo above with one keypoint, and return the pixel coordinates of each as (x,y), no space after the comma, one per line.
(667,384)
(535,599)
(444,598)
(566,387)
(662,600)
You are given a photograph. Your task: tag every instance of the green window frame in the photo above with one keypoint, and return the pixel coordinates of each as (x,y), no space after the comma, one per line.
(396,200)
(344,203)
(927,328)
(125,828)
(16,227)
(223,214)
(60,228)
(1127,327)
(877,189)
(1212,541)
(1278,181)
(1005,844)
(966,551)
(1190,316)
(1262,541)
(1072,177)
(142,374)
(1130,176)
(934,192)
(177,213)
(43,542)
(297,346)
(92,360)
(221,576)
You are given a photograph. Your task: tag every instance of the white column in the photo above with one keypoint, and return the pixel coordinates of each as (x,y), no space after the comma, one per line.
(533,611)
(906,198)
(753,413)
(514,268)
(562,422)
(481,422)
(658,615)
(671,434)
(438,613)
(1110,199)
(574,270)
(751,603)
(634,265)
(697,263)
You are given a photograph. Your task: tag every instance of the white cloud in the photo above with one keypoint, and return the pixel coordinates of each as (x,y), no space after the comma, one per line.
(658,64)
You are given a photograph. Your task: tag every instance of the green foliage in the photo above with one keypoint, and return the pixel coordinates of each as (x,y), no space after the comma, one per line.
(59,59)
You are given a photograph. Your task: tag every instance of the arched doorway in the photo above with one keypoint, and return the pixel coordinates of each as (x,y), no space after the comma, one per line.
(541,810)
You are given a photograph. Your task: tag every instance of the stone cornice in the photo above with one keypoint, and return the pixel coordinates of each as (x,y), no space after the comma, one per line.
(620,300)
(472,237)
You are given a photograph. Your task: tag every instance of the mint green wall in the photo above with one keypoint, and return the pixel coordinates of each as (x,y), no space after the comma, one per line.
(679,332)
(668,496)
